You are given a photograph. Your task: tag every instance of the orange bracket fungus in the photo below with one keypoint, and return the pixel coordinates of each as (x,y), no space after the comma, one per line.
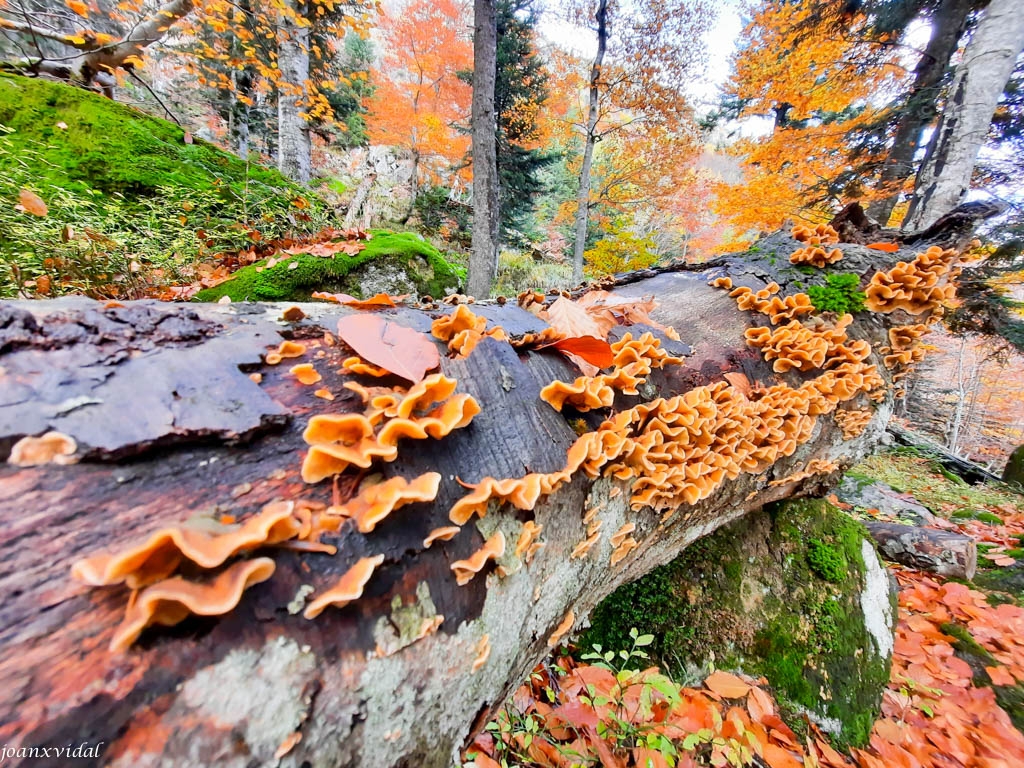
(348,588)
(305,373)
(562,629)
(722,282)
(284,350)
(853,423)
(378,501)
(355,365)
(523,493)
(160,555)
(816,256)
(171,602)
(463,330)
(483,653)
(492,549)
(915,287)
(624,548)
(445,533)
(580,551)
(527,536)
(822,234)
(51,448)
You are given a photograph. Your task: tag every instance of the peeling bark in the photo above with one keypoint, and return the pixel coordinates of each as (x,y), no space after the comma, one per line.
(169,425)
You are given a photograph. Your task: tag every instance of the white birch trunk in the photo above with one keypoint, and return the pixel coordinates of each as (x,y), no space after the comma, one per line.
(945,174)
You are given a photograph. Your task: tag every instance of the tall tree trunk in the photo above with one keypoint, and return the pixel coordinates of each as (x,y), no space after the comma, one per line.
(583,198)
(483,259)
(948,24)
(293,145)
(240,112)
(945,174)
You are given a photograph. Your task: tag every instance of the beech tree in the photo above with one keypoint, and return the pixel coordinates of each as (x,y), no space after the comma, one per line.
(989,59)
(483,260)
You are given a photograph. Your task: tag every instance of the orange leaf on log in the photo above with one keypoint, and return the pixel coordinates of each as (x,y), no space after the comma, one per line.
(886,247)
(573,320)
(374,302)
(403,351)
(593,350)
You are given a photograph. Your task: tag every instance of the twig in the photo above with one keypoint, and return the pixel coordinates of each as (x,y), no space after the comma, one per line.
(153,94)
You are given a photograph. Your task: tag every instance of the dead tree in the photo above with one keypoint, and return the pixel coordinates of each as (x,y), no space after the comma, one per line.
(169,424)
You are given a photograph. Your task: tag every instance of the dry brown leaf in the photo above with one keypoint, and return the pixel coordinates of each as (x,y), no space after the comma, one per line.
(571,320)
(726,685)
(403,351)
(30,202)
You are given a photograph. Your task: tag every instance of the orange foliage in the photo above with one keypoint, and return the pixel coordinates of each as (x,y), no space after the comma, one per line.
(419,98)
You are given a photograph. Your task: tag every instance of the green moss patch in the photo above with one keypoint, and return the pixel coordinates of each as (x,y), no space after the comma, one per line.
(775,594)
(130,187)
(403,262)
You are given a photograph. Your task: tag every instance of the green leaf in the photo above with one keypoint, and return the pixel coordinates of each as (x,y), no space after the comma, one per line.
(643,640)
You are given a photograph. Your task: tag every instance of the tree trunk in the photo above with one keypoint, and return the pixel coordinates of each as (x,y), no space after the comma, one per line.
(927,549)
(590,139)
(293,142)
(362,192)
(947,27)
(170,427)
(989,59)
(483,259)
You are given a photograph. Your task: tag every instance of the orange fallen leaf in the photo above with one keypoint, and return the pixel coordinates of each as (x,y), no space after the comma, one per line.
(1000,676)
(886,247)
(595,351)
(726,685)
(572,320)
(403,351)
(30,202)
(374,302)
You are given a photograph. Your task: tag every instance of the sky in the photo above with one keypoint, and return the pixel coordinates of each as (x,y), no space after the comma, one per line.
(720,42)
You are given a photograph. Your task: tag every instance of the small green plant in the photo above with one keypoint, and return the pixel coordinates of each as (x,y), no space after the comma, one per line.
(840,294)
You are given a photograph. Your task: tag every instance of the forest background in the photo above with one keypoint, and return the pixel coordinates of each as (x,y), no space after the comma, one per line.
(628,134)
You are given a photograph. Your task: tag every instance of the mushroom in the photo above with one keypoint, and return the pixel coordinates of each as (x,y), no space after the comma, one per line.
(446,533)
(483,651)
(722,282)
(170,602)
(522,492)
(624,548)
(620,535)
(527,536)
(853,423)
(816,256)
(284,350)
(355,364)
(305,373)
(348,588)
(580,551)
(562,629)
(159,555)
(376,502)
(324,393)
(50,448)
(466,569)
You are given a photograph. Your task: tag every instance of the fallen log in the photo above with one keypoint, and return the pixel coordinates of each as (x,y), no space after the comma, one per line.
(945,553)
(175,413)
(963,468)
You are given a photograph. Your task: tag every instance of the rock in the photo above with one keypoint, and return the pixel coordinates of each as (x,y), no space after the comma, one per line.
(794,592)
(864,493)
(1014,470)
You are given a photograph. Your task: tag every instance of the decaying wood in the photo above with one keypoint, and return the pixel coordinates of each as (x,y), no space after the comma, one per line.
(170,426)
(953,230)
(945,553)
(958,465)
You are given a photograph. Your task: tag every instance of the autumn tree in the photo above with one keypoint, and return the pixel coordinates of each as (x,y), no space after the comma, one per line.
(645,53)
(419,97)
(483,259)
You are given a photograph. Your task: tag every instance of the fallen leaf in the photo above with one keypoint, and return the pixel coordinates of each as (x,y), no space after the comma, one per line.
(1000,676)
(726,685)
(740,381)
(595,351)
(32,203)
(374,302)
(403,351)
(572,320)
(886,247)
(187,138)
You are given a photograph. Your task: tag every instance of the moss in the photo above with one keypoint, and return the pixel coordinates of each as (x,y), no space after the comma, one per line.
(132,181)
(988,517)
(827,561)
(430,273)
(840,294)
(764,610)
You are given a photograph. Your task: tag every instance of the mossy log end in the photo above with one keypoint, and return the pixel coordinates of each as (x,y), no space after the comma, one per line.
(170,425)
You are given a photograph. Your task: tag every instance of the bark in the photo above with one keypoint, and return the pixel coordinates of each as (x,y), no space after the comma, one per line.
(945,553)
(958,465)
(169,426)
(362,192)
(293,142)
(948,23)
(97,58)
(483,259)
(989,59)
(590,139)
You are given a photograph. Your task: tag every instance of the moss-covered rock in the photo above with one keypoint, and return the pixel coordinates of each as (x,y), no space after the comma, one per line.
(144,189)
(1013,472)
(794,593)
(391,262)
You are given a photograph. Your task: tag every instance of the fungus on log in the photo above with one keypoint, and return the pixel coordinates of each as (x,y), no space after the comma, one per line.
(168,422)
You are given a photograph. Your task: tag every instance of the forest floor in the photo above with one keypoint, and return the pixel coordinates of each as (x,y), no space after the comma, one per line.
(955,697)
